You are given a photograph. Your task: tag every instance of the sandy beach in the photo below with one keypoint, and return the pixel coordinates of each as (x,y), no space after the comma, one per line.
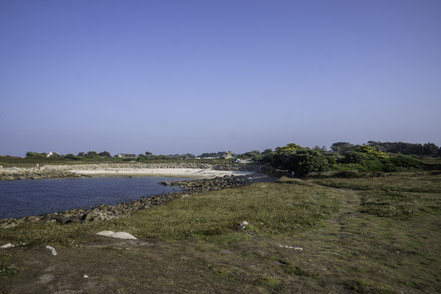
(175,172)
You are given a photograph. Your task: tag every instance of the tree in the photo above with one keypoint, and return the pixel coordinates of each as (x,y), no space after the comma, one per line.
(71,156)
(430,149)
(267,151)
(370,151)
(304,162)
(35,154)
(104,154)
(342,147)
(289,147)
(91,154)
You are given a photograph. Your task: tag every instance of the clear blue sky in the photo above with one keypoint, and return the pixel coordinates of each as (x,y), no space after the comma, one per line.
(194,76)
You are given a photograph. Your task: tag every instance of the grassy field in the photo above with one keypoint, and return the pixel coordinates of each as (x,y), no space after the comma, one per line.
(302,237)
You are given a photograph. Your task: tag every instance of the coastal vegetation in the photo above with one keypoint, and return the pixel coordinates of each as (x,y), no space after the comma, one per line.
(353,219)
(359,235)
(344,157)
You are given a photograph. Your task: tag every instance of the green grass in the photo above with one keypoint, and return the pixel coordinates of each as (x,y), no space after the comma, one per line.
(269,208)
(399,204)
(405,182)
(369,240)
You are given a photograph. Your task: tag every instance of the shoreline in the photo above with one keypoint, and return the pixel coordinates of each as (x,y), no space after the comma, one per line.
(167,172)
(190,170)
(108,212)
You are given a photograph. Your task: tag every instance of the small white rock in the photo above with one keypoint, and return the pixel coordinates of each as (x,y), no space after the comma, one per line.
(123,235)
(243,225)
(291,247)
(106,233)
(85,276)
(52,249)
(118,235)
(7,245)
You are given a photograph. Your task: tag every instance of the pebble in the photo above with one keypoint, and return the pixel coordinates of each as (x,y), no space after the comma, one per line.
(7,245)
(291,247)
(52,249)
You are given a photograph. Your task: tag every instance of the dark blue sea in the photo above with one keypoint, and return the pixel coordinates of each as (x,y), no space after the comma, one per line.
(34,197)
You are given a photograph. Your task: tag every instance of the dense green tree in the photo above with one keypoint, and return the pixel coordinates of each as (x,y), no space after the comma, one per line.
(35,154)
(105,154)
(342,147)
(71,156)
(304,161)
(430,149)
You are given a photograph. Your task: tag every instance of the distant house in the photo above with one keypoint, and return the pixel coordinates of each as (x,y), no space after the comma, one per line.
(52,154)
(125,155)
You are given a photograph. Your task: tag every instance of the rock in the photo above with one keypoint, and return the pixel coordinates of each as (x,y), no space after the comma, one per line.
(243,225)
(106,233)
(46,278)
(291,247)
(11,225)
(7,245)
(52,249)
(123,235)
(118,235)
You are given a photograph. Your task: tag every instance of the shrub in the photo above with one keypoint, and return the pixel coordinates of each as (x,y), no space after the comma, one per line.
(71,156)
(304,161)
(35,154)
(366,149)
(405,161)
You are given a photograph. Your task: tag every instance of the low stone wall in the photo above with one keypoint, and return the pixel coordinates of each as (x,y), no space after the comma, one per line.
(218,183)
(107,212)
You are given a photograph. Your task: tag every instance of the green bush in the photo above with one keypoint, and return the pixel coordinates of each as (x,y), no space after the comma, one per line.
(368,162)
(71,156)
(405,161)
(366,149)
(302,162)
(347,167)
(35,154)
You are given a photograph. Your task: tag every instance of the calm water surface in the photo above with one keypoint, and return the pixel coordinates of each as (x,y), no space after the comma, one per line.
(35,197)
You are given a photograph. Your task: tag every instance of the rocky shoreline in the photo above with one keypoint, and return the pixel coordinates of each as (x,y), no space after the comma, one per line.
(108,212)
(87,170)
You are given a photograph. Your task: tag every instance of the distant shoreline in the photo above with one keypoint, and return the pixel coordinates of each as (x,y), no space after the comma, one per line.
(189,170)
(172,172)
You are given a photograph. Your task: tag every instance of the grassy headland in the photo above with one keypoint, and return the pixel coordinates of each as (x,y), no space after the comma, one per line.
(301,237)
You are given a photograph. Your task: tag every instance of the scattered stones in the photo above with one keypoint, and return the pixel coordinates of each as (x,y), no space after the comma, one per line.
(291,247)
(118,235)
(218,183)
